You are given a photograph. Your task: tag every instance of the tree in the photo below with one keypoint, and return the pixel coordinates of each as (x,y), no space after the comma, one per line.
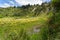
(54,23)
(56,4)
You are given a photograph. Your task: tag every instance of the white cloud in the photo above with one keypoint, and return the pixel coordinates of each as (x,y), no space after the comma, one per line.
(21,2)
(11,2)
(31,2)
(4,5)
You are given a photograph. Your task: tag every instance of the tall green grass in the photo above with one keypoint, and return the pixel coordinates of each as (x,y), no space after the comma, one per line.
(22,29)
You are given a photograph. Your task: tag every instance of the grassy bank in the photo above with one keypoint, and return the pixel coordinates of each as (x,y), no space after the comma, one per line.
(11,27)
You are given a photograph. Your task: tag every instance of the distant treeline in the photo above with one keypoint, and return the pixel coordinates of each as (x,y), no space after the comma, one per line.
(25,10)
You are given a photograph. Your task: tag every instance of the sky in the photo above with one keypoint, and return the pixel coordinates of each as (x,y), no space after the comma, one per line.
(8,3)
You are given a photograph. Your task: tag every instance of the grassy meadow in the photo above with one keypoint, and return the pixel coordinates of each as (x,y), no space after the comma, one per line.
(10,28)
(31,22)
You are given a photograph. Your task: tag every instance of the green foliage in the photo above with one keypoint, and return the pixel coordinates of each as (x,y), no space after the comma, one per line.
(56,4)
(25,10)
(14,28)
(44,35)
(54,22)
(56,0)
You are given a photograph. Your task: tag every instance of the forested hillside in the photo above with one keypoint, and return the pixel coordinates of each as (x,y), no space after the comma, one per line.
(25,10)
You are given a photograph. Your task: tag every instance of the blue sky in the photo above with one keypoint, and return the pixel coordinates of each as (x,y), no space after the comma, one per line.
(8,3)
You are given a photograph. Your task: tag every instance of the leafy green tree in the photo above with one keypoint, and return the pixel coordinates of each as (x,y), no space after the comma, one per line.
(54,22)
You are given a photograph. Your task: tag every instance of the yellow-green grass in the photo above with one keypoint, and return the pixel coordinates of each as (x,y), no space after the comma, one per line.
(10,26)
